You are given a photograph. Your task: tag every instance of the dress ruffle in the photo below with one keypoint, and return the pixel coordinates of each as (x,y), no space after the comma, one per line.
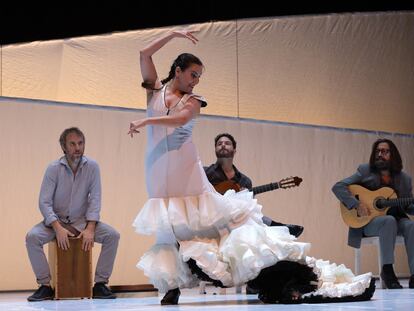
(223,234)
(197,216)
(165,268)
(225,237)
(337,280)
(312,281)
(253,247)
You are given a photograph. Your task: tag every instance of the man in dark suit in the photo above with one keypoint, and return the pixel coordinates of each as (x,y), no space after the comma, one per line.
(383,170)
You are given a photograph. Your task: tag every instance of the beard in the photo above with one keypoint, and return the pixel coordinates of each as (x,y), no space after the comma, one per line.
(382,164)
(224,154)
(75,158)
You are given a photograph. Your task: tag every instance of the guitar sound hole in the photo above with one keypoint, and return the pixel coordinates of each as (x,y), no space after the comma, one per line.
(379,203)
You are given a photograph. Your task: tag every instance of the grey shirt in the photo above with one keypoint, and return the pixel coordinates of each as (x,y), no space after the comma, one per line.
(70,198)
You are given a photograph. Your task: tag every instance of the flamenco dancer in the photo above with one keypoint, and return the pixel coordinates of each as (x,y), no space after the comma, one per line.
(203,235)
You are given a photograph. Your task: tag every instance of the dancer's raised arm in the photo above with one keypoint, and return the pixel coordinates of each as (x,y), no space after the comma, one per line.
(148,71)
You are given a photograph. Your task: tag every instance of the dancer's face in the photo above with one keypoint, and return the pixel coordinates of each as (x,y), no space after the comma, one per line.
(188,78)
(224,148)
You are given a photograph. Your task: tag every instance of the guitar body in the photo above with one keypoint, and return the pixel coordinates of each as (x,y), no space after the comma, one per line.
(223,186)
(370,198)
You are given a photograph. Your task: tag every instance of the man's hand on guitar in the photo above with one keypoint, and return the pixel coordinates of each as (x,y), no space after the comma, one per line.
(372,203)
(363,210)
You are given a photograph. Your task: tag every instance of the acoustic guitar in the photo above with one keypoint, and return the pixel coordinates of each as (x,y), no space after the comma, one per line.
(285,183)
(378,202)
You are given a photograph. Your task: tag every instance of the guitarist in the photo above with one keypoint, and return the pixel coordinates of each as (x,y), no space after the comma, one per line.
(383,170)
(224,170)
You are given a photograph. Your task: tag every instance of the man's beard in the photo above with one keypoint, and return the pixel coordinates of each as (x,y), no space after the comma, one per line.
(382,164)
(221,155)
(75,159)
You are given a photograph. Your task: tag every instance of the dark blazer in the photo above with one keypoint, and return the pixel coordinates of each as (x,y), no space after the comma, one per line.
(370,180)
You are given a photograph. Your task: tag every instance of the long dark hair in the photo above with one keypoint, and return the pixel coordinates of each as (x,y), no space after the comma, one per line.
(183,61)
(395,157)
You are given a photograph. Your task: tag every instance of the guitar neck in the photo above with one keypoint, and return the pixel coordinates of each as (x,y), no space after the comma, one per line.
(264,188)
(403,202)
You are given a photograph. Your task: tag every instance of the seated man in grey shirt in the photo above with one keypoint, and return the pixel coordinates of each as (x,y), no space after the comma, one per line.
(70,203)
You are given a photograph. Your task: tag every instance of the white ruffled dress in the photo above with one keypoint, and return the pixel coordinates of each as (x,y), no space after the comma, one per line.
(224,234)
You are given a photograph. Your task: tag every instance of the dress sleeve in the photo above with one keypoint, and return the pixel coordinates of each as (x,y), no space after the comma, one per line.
(201,99)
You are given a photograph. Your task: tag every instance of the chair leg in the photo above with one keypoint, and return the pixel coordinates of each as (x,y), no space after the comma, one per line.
(380,265)
(202,287)
(357,265)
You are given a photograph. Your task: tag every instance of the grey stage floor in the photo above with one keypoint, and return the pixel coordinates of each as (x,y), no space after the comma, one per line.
(401,300)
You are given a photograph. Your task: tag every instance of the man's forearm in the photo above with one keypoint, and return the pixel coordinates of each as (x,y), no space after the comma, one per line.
(56,225)
(91,225)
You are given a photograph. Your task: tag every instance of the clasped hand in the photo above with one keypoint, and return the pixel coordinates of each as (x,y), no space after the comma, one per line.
(186,33)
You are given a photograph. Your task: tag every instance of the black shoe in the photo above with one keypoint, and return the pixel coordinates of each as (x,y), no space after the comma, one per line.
(44,292)
(171,297)
(295,230)
(251,291)
(411,282)
(101,291)
(390,281)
